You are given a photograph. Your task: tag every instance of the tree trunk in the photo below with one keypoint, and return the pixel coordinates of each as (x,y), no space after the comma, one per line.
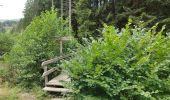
(61,8)
(70,12)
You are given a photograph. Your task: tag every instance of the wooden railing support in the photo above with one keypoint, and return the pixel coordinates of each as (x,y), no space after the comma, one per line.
(46,63)
(61,47)
(46,77)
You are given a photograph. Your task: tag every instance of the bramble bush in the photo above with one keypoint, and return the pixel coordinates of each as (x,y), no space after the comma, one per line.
(36,44)
(131,64)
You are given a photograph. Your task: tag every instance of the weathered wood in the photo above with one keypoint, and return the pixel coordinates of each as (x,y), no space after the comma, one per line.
(54,60)
(58,81)
(50,71)
(59,99)
(66,38)
(54,83)
(61,47)
(62,77)
(53,89)
(46,77)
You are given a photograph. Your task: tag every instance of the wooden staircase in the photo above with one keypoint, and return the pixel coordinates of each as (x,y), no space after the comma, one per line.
(56,84)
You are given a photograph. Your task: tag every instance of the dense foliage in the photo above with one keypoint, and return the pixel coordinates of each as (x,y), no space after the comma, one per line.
(91,14)
(88,16)
(131,64)
(36,44)
(6,42)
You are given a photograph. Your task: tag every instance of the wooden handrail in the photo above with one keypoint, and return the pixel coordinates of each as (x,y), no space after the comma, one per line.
(46,77)
(46,63)
(54,60)
(64,38)
(50,71)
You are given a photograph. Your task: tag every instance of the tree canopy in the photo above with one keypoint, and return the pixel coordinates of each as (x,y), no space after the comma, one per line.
(88,16)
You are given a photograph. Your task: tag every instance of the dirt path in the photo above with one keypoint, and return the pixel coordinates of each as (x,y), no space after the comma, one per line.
(3,92)
(6,93)
(27,96)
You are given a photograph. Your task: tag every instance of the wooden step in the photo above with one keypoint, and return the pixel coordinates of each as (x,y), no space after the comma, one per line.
(58,81)
(57,99)
(62,76)
(54,83)
(53,89)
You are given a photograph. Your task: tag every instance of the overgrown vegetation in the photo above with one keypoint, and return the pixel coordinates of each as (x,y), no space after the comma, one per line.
(9,94)
(6,42)
(131,64)
(18,93)
(114,63)
(36,44)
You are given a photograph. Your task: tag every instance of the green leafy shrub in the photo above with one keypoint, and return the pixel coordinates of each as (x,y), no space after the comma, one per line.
(131,64)
(36,44)
(3,72)
(6,42)
(6,72)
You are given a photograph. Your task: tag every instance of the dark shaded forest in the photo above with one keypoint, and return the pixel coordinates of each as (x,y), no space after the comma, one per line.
(88,16)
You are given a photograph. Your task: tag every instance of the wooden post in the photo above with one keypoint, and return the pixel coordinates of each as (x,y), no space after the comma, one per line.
(46,77)
(61,47)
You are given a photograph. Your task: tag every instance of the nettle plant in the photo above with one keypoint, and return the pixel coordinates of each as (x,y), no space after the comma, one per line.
(131,64)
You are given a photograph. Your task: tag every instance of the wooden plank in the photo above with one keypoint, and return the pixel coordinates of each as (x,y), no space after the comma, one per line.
(46,77)
(53,89)
(58,81)
(59,99)
(61,47)
(50,71)
(63,76)
(66,38)
(54,83)
(54,60)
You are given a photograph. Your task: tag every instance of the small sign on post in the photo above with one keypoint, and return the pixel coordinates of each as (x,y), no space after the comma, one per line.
(61,40)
